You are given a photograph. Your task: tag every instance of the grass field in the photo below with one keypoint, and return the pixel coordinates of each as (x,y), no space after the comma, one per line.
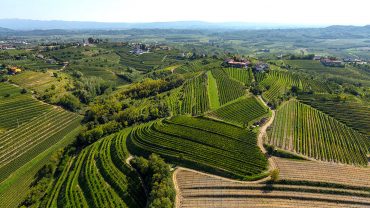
(305,130)
(242,112)
(202,144)
(212,91)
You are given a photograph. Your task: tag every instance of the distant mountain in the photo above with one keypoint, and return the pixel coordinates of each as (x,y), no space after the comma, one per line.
(23,24)
(2,29)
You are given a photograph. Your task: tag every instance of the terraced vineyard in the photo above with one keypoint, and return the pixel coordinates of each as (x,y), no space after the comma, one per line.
(278,83)
(354,114)
(98,177)
(202,144)
(228,89)
(18,108)
(241,112)
(244,76)
(195,96)
(25,142)
(307,131)
(201,190)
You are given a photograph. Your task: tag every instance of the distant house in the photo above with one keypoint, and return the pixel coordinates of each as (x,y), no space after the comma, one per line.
(237,64)
(330,62)
(260,67)
(317,58)
(352,60)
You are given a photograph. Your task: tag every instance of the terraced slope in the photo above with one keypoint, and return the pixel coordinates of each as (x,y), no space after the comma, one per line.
(353,114)
(228,89)
(98,177)
(201,190)
(25,142)
(241,112)
(244,76)
(305,130)
(195,96)
(322,172)
(17,108)
(202,144)
(277,83)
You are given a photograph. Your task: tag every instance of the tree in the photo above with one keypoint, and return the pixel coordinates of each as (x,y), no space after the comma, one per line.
(70,102)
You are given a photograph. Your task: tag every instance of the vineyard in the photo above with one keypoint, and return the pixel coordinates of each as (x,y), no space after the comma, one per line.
(242,112)
(200,190)
(195,96)
(98,177)
(228,89)
(202,144)
(354,114)
(277,83)
(305,130)
(244,76)
(25,142)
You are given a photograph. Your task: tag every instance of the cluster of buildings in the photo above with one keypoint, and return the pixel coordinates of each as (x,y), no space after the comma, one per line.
(259,67)
(237,64)
(337,63)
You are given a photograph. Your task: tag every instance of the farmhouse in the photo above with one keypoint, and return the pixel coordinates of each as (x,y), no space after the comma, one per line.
(317,58)
(330,62)
(237,64)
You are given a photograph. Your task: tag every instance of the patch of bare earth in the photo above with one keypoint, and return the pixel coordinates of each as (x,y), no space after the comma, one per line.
(196,189)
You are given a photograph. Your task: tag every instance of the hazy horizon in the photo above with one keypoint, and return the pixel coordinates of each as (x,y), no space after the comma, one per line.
(285,12)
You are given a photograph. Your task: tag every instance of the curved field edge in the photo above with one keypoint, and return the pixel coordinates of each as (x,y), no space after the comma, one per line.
(15,187)
(324,138)
(139,144)
(98,177)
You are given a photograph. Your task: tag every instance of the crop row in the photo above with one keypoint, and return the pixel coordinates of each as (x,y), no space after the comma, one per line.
(194,143)
(244,76)
(241,112)
(307,131)
(228,89)
(99,177)
(195,96)
(352,113)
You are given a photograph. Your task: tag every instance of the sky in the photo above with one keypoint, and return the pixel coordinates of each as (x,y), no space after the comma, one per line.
(312,12)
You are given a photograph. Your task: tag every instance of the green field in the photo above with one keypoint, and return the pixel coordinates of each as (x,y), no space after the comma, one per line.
(98,177)
(202,144)
(212,91)
(228,89)
(305,130)
(195,96)
(353,113)
(242,112)
(18,108)
(244,76)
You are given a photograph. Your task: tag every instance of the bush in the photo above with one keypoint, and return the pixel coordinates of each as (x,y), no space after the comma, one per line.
(70,102)
(275,175)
